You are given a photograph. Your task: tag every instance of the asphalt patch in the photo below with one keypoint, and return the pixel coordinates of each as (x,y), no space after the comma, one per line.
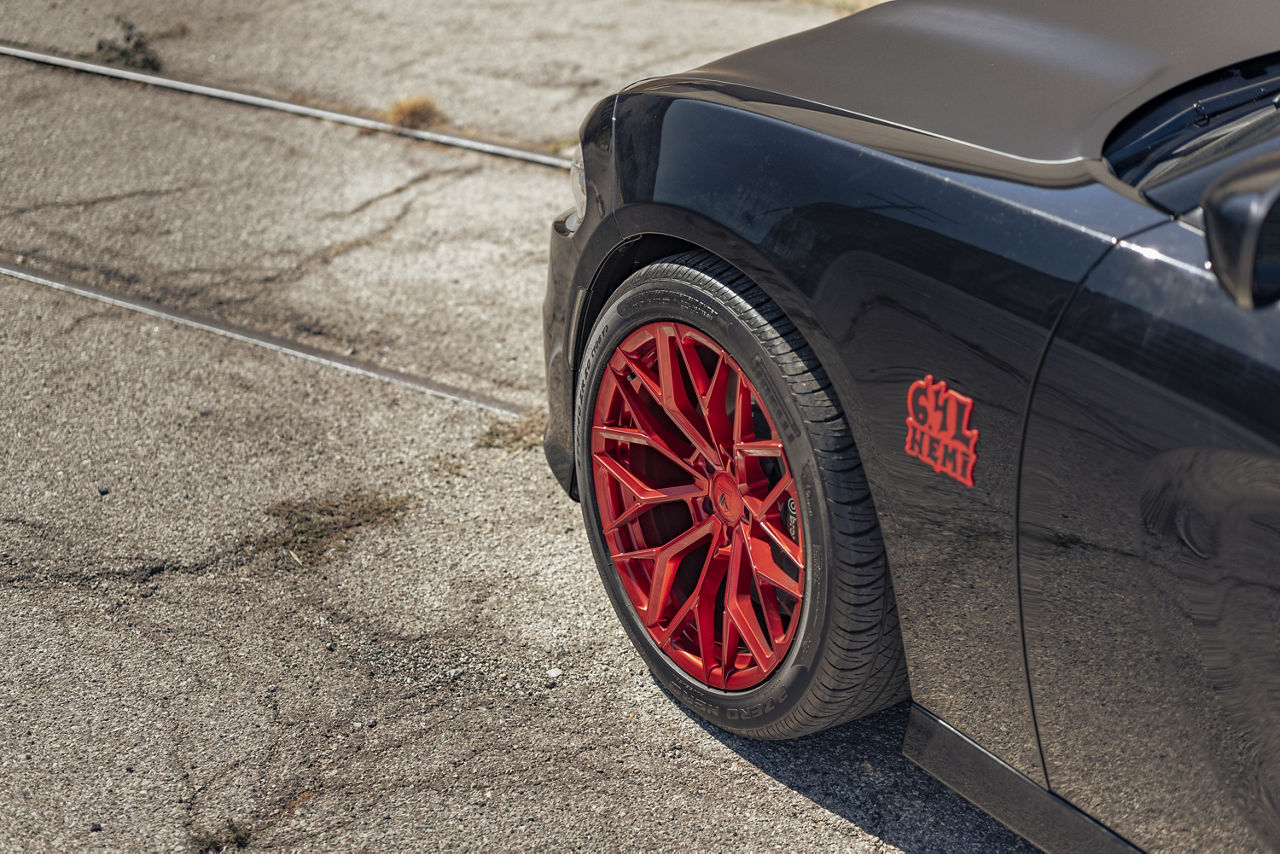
(315,527)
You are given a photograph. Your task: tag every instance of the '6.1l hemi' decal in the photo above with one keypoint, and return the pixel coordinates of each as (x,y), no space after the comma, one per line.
(938,429)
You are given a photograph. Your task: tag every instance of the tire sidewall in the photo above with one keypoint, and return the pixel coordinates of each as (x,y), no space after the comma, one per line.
(647,297)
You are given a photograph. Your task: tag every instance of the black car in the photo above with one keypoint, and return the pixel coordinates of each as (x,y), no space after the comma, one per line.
(935,353)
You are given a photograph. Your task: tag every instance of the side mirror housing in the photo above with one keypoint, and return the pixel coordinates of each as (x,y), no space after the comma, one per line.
(1242,224)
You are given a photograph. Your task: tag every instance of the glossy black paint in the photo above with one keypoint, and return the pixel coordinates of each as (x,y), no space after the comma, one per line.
(1098,615)
(1150,533)
(576,257)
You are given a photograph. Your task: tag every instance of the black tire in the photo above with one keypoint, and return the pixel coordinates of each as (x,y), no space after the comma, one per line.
(845,659)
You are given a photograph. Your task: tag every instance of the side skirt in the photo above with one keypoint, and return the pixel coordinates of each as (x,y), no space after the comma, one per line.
(1040,816)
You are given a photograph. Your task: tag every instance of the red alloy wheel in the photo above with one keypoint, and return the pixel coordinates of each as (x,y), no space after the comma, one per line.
(698,506)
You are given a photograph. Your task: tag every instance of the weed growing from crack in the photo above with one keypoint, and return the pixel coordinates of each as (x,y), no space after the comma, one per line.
(522,434)
(562,146)
(178,31)
(212,841)
(419,112)
(135,52)
(312,528)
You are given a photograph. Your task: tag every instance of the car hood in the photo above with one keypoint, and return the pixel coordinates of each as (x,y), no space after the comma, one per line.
(1039,80)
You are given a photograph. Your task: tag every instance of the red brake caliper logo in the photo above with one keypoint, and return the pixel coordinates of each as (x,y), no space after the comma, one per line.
(938,429)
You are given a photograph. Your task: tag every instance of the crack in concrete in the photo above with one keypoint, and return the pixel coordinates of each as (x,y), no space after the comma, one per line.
(186,294)
(137,569)
(330,524)
(336,250)
(98,200)
(39,261)
(41,527)
(82,319)
(288,806)
(420,178)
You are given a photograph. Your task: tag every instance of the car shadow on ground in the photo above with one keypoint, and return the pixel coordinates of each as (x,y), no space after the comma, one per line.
(857,771)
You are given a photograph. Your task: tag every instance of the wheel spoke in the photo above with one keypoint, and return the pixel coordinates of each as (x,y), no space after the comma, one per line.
(633,436)
(687,346)
(664,636)
(782,541)
(707,616)
(675,398)
(656,432)
(651,385)
(759,509)
(728,648)
(766,569)
(744,619)
(644,496)
(636,554)
(772,614)
(719,424)
(667,561)
(709,391)
(737,604)
(741,411)
(762,448)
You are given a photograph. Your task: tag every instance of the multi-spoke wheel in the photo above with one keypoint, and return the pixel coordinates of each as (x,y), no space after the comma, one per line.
(727,510)
(698,505)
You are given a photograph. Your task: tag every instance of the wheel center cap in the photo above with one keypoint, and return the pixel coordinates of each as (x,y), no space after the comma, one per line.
(726,499)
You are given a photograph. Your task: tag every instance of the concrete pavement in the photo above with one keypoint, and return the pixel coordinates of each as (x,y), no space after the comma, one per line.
(448,676)
(505,68)
(392,250)
(248,594)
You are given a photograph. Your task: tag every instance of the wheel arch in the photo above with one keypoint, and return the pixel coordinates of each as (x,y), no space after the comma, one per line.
(653,232)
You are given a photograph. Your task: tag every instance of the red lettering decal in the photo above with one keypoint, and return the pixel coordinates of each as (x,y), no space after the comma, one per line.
(938,432)
(918,402)
(915,438)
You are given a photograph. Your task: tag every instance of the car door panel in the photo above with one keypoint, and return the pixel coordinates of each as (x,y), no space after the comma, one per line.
(1149,530)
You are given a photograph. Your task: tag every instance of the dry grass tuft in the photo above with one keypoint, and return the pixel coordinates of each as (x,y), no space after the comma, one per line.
(564,146)
(522,434)
(846,6)
(418,112)
(178,31)
(132,51)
